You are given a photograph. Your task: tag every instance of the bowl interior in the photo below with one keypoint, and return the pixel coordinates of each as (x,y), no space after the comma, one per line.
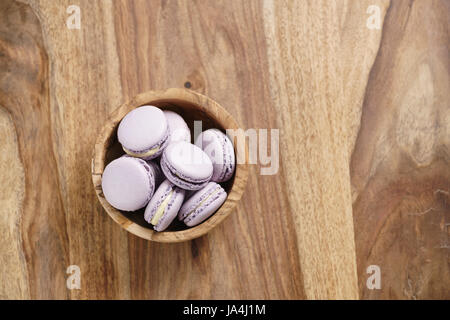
(190,113)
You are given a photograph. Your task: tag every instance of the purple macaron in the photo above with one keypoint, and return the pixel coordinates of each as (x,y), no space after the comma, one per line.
(179,130)
(220,150)
(164,205)
(186,165)
(129,183)
(202,204)
(144,132)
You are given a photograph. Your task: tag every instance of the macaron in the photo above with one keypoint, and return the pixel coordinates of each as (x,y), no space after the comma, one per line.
(144,132)
(186,165)
(164,205)
(129,183)
(156,171)
(202,204)
(220,150)
(179,130)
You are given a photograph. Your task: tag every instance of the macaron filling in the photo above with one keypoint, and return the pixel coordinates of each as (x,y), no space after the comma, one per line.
(208,196)
(141,155)
(158,148)
(164,205)
(161,209)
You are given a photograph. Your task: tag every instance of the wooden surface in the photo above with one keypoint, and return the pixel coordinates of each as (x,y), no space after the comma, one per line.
(364,123)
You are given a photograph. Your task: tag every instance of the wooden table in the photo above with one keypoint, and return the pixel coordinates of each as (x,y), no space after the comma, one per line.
(364,120)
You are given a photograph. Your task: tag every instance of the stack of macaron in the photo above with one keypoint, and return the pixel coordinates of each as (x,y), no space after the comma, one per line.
(164,172)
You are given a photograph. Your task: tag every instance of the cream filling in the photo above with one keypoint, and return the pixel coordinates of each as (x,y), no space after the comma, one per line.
(204,200)
(161,209)
(141,155)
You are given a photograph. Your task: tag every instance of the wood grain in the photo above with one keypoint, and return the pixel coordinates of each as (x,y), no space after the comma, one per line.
(364,137)
(400,165)
(318,117)
(12,262)
(24,94)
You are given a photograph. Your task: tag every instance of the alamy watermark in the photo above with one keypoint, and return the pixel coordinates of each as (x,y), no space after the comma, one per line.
(74,19)
(74,279)
(374,280)
(251,146)
(374,20)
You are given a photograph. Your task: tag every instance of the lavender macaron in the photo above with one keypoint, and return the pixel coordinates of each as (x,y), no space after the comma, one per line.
(186,165)
(179,130)
(220,150)
(164,205)
(202,204)
(129,183)
(144,132)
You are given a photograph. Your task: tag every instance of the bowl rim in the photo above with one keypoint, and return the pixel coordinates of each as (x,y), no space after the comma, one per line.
(205,104)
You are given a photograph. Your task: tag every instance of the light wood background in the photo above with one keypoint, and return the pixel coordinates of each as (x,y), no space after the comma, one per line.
(364,120)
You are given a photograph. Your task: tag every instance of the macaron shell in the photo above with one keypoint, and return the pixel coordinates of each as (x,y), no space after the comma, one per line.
(229,162)
(157,173)
(153,167)
(160,194)
(189,161)
(142,129)
(164,143)
(127,183)
(186,165)
(202,204)
(207,209)
(175,179)
(179,130)
(171,211)
(221,152)
(195,198)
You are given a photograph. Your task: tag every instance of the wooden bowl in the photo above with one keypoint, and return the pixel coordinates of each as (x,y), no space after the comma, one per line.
(191,106)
